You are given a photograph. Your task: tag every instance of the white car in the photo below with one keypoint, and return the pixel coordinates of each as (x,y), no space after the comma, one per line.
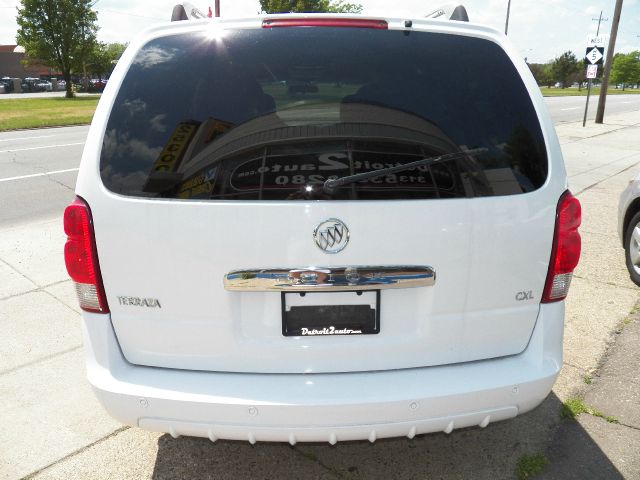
(629,227)
(45,86)
(386,254)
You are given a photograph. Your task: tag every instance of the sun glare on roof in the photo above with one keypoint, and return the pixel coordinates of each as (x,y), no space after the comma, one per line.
(214,31)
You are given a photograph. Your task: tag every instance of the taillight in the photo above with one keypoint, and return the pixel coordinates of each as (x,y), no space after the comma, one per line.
(325,22)
(565,253)
(81,258)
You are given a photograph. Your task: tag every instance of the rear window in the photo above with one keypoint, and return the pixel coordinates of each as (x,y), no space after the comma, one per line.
(271,114)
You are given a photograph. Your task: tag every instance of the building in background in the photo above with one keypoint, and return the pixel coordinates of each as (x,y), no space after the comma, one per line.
(11,64)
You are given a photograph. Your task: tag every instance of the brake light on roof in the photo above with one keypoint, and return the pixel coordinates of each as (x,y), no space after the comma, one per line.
(81,258)
(565,252)
(325,22)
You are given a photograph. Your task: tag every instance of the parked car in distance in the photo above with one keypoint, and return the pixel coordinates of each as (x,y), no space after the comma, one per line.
(7,83)
(28,84)
(44,86)
(629,227)
(383,252)
(97,85)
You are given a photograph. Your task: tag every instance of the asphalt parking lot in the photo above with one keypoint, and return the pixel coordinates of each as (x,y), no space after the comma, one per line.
(54,428)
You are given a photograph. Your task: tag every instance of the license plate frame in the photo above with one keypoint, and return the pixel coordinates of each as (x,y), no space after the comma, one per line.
(353,313)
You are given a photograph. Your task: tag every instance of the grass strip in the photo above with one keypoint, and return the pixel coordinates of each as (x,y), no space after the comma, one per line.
(530,465)
(573,407)
(46,112)
(58,111)
(574,92)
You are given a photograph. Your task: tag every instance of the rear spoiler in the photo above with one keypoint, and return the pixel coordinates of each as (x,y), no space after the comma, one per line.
(186,11)
(450,12)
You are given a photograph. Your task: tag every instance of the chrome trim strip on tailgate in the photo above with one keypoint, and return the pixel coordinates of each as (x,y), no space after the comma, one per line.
(329,279)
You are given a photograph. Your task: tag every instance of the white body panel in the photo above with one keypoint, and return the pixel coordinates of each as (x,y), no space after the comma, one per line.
(471,312)
(484,251)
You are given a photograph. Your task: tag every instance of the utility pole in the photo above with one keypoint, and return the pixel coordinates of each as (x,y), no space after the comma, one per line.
(586,106)
(602,100)
(599,20)
(506,23)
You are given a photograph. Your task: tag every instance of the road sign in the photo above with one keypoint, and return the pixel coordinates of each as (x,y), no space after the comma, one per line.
(594,55)
(597,41)
(592,58)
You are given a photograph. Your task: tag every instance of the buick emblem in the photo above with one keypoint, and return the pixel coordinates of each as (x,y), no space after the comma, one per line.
(332,235)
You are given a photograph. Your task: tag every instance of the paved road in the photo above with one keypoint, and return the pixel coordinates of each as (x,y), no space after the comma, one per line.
(38,170)
(571,109)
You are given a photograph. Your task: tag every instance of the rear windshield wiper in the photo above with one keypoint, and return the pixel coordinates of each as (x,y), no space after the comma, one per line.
(330,186)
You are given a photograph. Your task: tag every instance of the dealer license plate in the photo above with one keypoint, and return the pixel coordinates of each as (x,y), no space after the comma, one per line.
(330,313)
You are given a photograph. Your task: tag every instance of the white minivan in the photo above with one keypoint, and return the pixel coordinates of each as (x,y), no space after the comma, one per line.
(321,228)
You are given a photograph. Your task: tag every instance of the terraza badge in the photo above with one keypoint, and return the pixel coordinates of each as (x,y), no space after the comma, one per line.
(140,302)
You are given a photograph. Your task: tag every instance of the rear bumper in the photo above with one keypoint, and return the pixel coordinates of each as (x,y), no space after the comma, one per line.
(323,407)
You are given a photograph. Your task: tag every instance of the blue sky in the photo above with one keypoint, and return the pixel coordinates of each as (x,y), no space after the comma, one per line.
(541,29)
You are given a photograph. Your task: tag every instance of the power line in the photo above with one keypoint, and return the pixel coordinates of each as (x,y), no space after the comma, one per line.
(599,20)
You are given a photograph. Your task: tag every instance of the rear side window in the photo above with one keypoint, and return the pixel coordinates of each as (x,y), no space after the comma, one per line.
(271,114)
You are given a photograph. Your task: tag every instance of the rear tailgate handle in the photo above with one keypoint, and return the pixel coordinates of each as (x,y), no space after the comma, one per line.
(329,279)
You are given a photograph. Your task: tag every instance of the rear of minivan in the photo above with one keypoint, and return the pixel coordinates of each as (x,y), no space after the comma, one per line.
(321,228)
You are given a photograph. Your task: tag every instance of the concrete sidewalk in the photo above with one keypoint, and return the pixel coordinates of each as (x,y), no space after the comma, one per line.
(613,426)
(602,329)
(48,410)
(54,428)
(600,161)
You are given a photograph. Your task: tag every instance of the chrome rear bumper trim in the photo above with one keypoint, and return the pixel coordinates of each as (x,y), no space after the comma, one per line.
(329,279)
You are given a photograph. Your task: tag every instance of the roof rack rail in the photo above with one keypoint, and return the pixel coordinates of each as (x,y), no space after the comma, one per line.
(186,11)
(450,12)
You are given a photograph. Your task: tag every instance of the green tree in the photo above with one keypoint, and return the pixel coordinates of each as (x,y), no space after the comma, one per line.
(563,67)
(60,33)
(103,58)
(548,74)
(309,6)
(625,69)
(578,76)
(540,72)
